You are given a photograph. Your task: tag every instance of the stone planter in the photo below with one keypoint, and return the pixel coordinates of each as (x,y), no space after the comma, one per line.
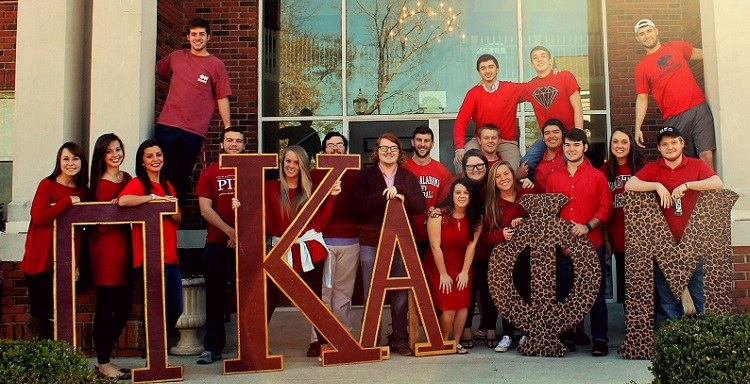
(193,317)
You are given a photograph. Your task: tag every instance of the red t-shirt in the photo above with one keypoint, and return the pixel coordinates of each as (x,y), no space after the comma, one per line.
(38,256)
(688,170)
(589,195)
(483,107)
(616,223)
(550,97)
(667,75)
(169,237)
(547,167)
(431,178)
(217,185)
(197,82)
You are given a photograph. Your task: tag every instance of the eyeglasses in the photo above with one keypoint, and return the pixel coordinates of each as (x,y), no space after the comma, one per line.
(385,148)
(474,167)
(334,145)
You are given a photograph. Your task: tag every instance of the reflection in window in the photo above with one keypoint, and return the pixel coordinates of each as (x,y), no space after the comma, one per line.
(308,134)
(302,58)
(420,56)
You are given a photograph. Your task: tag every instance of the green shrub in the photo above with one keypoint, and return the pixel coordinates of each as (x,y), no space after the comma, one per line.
(44,361)
(708,348)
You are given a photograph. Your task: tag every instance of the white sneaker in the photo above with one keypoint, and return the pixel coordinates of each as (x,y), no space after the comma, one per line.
(523,340)
(503,345)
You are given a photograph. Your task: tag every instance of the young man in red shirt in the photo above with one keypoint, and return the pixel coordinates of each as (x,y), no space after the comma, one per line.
(665,72)
(198,85)
(491,101)
(553,95)
(431,174)
(589,207)
(674,177)
(215,192)
(552,159)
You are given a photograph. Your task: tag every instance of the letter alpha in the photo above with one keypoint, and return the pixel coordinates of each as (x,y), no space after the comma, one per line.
(397,230)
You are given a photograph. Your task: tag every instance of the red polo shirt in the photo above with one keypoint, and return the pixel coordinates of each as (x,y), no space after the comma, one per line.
(688,170)
(589,195)
(545,168)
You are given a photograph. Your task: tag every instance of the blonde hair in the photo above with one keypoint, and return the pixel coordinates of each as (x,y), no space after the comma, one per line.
(492,210)
(290,207)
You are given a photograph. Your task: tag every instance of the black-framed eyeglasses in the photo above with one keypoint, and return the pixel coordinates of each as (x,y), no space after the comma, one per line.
(474,167)
(335,145)
(385,148)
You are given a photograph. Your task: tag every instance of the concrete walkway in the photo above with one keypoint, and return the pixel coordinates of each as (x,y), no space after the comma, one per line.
(289,336)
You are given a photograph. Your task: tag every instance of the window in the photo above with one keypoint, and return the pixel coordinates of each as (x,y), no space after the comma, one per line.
(7,102)
(417,57)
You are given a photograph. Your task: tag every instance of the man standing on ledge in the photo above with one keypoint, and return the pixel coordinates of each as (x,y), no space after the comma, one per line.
(199,83)
(675,177)
(491,101)
(665,72)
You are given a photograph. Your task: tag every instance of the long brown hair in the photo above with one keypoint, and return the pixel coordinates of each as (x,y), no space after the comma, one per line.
(635,159)
(290,207)
(374,156)
(82,177)
(98,167)
(492,210)
(473,210)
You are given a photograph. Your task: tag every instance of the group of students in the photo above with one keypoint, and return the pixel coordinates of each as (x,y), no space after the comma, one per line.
(116,250)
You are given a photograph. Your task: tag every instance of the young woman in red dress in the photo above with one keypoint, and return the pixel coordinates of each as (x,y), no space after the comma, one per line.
(149,185)
(625,160)
(453,231)
(111,257)
(56,192)
(284,199)
(502,214)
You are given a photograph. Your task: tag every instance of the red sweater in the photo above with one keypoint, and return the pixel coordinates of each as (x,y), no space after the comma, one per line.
(277,223)
(39,241)
(135,187)
(511,210)
(110,244)
(483,107)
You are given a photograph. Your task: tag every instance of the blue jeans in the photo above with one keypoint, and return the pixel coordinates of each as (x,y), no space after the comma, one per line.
(599,315)
(172,294)
(671,306)
(534,156)
(399,305)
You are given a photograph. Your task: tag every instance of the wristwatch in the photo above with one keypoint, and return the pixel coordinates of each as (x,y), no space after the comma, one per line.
(153,197)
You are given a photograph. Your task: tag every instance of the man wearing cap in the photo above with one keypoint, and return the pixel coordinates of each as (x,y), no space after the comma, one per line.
(665,72)
(675,177)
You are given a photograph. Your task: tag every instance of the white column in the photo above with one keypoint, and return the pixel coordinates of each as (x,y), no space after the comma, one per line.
(726,41)
(49,94)
(123,60)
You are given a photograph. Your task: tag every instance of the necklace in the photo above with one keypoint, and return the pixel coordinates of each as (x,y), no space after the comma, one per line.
(116,178)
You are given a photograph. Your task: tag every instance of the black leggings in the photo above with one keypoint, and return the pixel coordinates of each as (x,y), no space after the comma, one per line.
(113,307)
(41,307)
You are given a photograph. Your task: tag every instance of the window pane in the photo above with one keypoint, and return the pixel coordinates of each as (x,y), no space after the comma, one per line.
(422,58)
(302,57)
(6,124)
(572,31)
(307,134)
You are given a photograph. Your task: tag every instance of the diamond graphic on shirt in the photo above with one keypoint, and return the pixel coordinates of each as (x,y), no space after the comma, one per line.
(203,78)
(545,95)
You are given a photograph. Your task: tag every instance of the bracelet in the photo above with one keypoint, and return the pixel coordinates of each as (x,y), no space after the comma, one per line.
(153,197)
(588,226)
(686,186)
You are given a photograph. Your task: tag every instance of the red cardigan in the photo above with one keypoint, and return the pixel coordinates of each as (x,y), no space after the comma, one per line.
(39,241)
(277,224)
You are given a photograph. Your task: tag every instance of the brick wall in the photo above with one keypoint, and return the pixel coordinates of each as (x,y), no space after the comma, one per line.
(741,280)
(234,40)
(676,20)
(8,11)
(15,308)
